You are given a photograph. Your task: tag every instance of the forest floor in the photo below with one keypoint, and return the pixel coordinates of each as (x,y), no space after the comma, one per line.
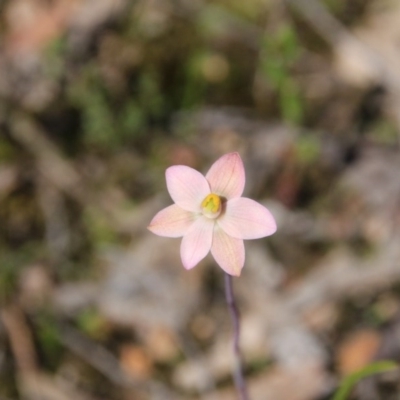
(98,98)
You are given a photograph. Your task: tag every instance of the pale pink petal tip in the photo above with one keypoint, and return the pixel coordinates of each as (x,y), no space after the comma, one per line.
(227,176)
(246,219)
(197,242)
(228,252)
(187,187)
(172,221)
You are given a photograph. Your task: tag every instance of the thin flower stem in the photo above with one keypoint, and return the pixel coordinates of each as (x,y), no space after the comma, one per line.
(238,376)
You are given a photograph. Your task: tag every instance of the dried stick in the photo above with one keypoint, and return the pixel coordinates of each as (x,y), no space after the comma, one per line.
(334,32)
(238,376)
(21,339)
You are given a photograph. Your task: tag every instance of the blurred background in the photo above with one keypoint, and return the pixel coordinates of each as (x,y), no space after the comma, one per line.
(98,97)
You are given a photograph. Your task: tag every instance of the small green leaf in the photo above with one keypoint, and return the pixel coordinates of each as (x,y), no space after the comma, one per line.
(349,382)
(291,102)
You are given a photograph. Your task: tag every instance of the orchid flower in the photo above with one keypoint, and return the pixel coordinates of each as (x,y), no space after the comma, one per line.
(210,214)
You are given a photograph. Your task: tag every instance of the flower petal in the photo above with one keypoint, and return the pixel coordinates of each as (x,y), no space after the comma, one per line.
(228,252)
(187,187)
(246,219)
(197,242)
(172,221)
(226,176)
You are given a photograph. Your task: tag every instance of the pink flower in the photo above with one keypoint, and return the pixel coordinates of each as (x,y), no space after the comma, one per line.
(210,214)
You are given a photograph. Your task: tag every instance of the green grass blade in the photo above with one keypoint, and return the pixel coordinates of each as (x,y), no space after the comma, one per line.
(348,383)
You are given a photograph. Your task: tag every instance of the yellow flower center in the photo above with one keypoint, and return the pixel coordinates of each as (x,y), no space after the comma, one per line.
(211,206)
